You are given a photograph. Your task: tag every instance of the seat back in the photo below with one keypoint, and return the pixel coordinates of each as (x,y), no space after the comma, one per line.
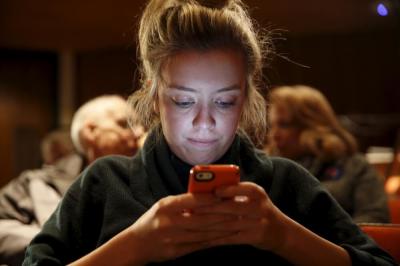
(394,209)
(387,236)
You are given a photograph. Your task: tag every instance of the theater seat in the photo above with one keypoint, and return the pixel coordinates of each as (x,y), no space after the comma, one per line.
(394,209)
(387,236)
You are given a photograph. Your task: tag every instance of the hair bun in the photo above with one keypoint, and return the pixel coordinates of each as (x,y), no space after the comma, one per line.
(214,3)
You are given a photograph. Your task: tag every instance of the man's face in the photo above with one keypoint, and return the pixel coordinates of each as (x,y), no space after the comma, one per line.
(111,133)
(201,103)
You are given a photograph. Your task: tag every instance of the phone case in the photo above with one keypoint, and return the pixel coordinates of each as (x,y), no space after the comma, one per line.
(205,178)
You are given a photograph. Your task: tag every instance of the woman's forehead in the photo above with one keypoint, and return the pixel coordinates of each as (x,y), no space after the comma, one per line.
(195,69)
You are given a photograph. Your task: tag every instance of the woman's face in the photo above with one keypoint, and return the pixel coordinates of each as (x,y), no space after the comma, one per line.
(201,103)
(284,135)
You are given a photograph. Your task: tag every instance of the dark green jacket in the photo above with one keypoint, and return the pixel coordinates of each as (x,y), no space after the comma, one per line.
(115,191)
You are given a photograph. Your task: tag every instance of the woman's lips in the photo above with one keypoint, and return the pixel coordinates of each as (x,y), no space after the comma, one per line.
(202,143)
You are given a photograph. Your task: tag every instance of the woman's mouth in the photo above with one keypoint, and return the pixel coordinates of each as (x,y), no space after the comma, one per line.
(202,143)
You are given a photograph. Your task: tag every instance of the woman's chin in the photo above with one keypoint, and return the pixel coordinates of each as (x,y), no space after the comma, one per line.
(200,160)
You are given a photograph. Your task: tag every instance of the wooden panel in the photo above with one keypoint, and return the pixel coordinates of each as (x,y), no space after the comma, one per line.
(359,73)
(27,104)
(105,72)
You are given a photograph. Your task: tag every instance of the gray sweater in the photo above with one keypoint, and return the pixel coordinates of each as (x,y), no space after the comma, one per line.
(27,201)
(354,184)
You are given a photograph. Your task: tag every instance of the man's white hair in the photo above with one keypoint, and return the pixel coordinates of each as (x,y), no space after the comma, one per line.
(88,112)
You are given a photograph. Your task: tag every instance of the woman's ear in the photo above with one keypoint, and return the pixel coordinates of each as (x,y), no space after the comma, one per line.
(148,83)
(156,106)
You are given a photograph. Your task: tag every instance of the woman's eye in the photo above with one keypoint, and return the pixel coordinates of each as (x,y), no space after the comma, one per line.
(224,104)
(183,104)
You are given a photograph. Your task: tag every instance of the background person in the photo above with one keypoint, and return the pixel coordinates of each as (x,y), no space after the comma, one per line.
(304,127)
(56,145)
(99,127)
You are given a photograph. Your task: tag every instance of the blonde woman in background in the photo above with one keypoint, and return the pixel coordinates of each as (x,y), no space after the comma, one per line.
(304,128)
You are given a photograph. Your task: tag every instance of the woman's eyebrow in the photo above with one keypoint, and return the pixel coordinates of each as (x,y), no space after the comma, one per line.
(183,88)
(230,88)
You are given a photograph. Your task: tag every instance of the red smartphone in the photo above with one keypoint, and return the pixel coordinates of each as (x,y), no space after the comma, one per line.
(206,178)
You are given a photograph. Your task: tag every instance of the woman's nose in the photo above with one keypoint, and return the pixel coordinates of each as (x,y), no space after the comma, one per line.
(204,118)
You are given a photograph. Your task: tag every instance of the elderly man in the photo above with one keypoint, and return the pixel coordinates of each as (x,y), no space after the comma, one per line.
(99,128)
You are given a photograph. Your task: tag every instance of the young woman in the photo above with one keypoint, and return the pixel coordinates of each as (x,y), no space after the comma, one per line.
(304,128)
(201,62)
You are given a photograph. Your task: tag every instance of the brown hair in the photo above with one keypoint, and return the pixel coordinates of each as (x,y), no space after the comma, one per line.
(171,26)
(321,133)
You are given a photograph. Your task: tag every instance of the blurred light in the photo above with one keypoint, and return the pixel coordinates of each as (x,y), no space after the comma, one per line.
(382,10)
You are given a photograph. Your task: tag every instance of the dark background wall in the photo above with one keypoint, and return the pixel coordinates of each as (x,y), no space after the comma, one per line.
(356,65)
(358,72)
(105,72)
(28,110)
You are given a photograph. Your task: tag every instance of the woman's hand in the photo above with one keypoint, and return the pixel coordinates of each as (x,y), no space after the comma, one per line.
(171,228)
(257,221)
(261,224)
